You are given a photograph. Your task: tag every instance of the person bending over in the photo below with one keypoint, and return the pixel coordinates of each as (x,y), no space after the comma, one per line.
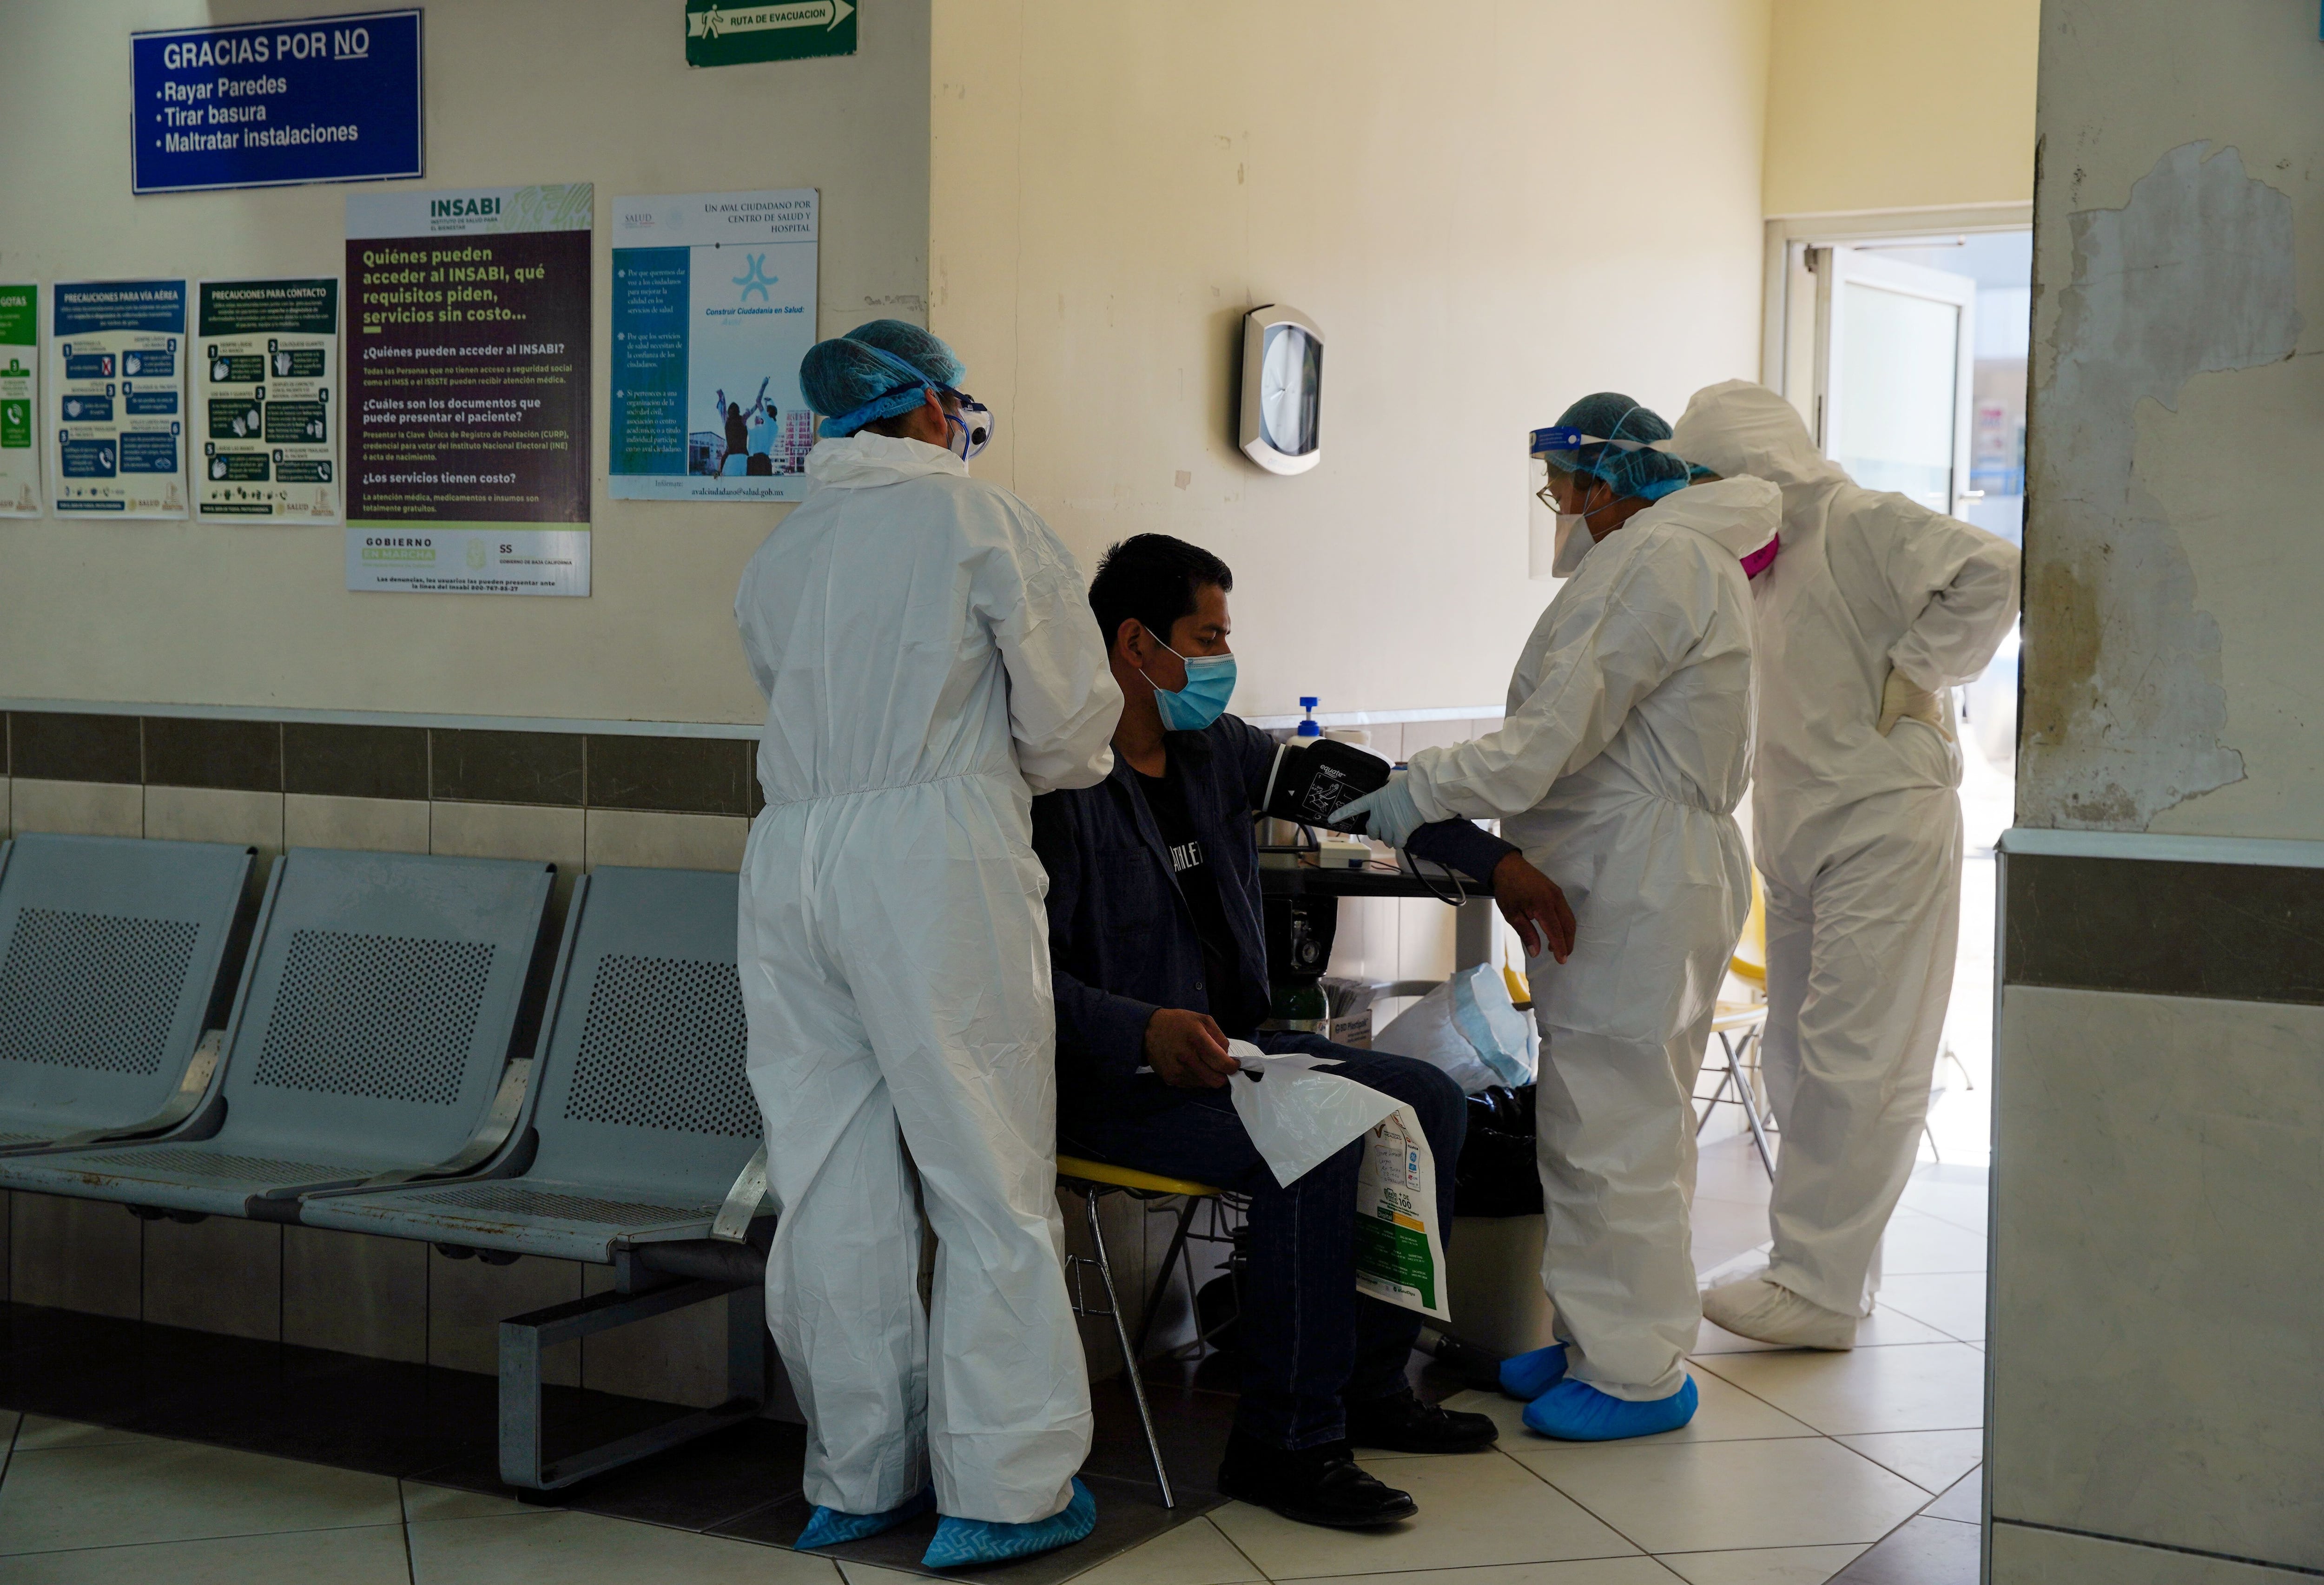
(1157,959)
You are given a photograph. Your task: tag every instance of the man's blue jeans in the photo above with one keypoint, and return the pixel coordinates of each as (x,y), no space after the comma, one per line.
(1311,1345)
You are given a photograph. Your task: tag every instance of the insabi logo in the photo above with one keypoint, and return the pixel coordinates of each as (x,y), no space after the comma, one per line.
(463,208)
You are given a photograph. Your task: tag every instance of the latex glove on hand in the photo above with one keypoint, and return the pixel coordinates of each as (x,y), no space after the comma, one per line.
(1388,815)
(1902,699)
(1535,906)
(1188,1049)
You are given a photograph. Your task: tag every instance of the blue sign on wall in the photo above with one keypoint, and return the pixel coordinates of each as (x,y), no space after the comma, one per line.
(326,99)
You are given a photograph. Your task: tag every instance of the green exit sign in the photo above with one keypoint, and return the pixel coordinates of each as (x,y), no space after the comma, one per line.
(733,32)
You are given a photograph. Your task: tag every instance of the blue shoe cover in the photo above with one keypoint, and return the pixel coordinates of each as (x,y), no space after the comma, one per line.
(1576,1411)
(1527,1376)
(961,1542)
(830,1527)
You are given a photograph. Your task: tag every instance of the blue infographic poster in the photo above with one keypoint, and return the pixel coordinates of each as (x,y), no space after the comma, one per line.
(117,398)
(713,307)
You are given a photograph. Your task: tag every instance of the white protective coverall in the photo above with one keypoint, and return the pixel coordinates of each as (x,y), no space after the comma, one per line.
(1627,746)
(931,662)
(1857,835)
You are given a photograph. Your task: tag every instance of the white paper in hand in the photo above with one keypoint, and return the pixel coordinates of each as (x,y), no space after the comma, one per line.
(1296,1114)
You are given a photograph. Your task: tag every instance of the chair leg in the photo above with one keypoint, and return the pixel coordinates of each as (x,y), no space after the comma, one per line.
(1751,1106)
(1162,1282)
(1129,1358)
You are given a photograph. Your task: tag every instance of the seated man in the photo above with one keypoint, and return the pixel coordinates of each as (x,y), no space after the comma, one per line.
(1157,957)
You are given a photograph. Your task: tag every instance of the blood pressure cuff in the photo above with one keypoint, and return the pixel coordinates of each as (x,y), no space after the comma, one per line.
(1311,776)
(1459,844)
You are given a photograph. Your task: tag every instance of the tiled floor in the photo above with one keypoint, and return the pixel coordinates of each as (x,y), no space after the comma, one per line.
(1800,1468)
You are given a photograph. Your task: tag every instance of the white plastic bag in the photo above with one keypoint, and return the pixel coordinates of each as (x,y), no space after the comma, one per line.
(1470,1028)
(1298,1116)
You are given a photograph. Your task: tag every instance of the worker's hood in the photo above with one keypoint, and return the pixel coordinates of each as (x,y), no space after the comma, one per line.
(862,460)
(1741,514)
(1738,428)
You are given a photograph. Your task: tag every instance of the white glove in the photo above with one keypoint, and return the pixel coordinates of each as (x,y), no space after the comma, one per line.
(1388,815)
(1902,700)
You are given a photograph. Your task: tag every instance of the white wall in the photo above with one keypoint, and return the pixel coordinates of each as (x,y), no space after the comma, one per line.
(517,91)
(1880,104)
(1483,233)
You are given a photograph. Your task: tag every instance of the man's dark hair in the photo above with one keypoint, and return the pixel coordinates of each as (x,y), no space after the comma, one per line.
(1156,579)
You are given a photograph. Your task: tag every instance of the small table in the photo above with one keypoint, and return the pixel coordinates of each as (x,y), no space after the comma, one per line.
(1473,926)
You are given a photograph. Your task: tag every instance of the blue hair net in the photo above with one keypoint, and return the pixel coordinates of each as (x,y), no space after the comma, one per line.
(874,371)
(1648,476)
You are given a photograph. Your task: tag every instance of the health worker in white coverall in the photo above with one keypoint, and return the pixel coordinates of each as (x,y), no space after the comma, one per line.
(1626,748)
(929,660)
(1876,608)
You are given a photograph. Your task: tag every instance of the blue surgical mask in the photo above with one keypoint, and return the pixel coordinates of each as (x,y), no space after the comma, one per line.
(1209,683)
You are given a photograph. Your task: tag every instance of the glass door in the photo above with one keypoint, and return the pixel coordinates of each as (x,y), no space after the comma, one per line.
(1896,351)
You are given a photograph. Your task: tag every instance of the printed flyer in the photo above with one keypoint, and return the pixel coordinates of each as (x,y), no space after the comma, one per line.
(266,363)
(713,307)
(117,379)
(467,390)
(19,400)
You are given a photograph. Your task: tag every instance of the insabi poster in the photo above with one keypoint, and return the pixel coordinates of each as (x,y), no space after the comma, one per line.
(267,362)
(117,398)
(467,390)
(713,307)
(19,400)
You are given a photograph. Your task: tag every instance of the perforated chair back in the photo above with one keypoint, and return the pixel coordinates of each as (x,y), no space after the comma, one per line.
(381,1004)
(111,950)
(644,1086)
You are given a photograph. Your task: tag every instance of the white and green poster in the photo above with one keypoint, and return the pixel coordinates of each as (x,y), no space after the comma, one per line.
(266,404)
(116,401)
(20,398)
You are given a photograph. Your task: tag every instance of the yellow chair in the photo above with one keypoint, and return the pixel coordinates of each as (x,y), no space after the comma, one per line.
(1093,1179)
(1739,1024)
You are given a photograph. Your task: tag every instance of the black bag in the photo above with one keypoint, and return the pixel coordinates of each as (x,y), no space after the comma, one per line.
(1497,1175)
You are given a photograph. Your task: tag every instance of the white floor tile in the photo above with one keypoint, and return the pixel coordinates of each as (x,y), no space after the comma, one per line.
(1727,1495)
(123,1493)
(39,1433)
(1930,1460)
(423,1501)
(1473,1511)
(1956,1194)
(1194,1554)
(1882,1327)
(1953,1303)
(1917,1386)
(1606,1571)
(566,1548)
(371,1554)
(1916,1242)
(1767,1565)
(1963,1501)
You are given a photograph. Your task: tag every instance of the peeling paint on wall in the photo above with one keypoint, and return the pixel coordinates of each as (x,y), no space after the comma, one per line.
(2124,705)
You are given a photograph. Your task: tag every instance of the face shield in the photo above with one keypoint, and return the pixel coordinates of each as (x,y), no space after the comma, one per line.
(1565,466)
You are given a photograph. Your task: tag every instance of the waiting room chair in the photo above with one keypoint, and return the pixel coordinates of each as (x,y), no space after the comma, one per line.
(373,1039)
(1094,1181)
(117,961)
(1738,1027)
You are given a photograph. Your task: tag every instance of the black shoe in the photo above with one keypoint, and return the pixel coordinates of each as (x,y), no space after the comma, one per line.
(1402,1423)
(1314,1486)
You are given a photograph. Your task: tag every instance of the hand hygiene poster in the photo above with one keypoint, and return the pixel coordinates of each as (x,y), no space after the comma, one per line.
(19,400)
(713,307)
(267,362)
(467,348)
(117,400)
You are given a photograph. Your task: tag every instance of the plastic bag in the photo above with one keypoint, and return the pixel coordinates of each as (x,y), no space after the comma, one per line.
(1469,1027)
(1399,1248)
(1296,1115)
(1299,1116)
